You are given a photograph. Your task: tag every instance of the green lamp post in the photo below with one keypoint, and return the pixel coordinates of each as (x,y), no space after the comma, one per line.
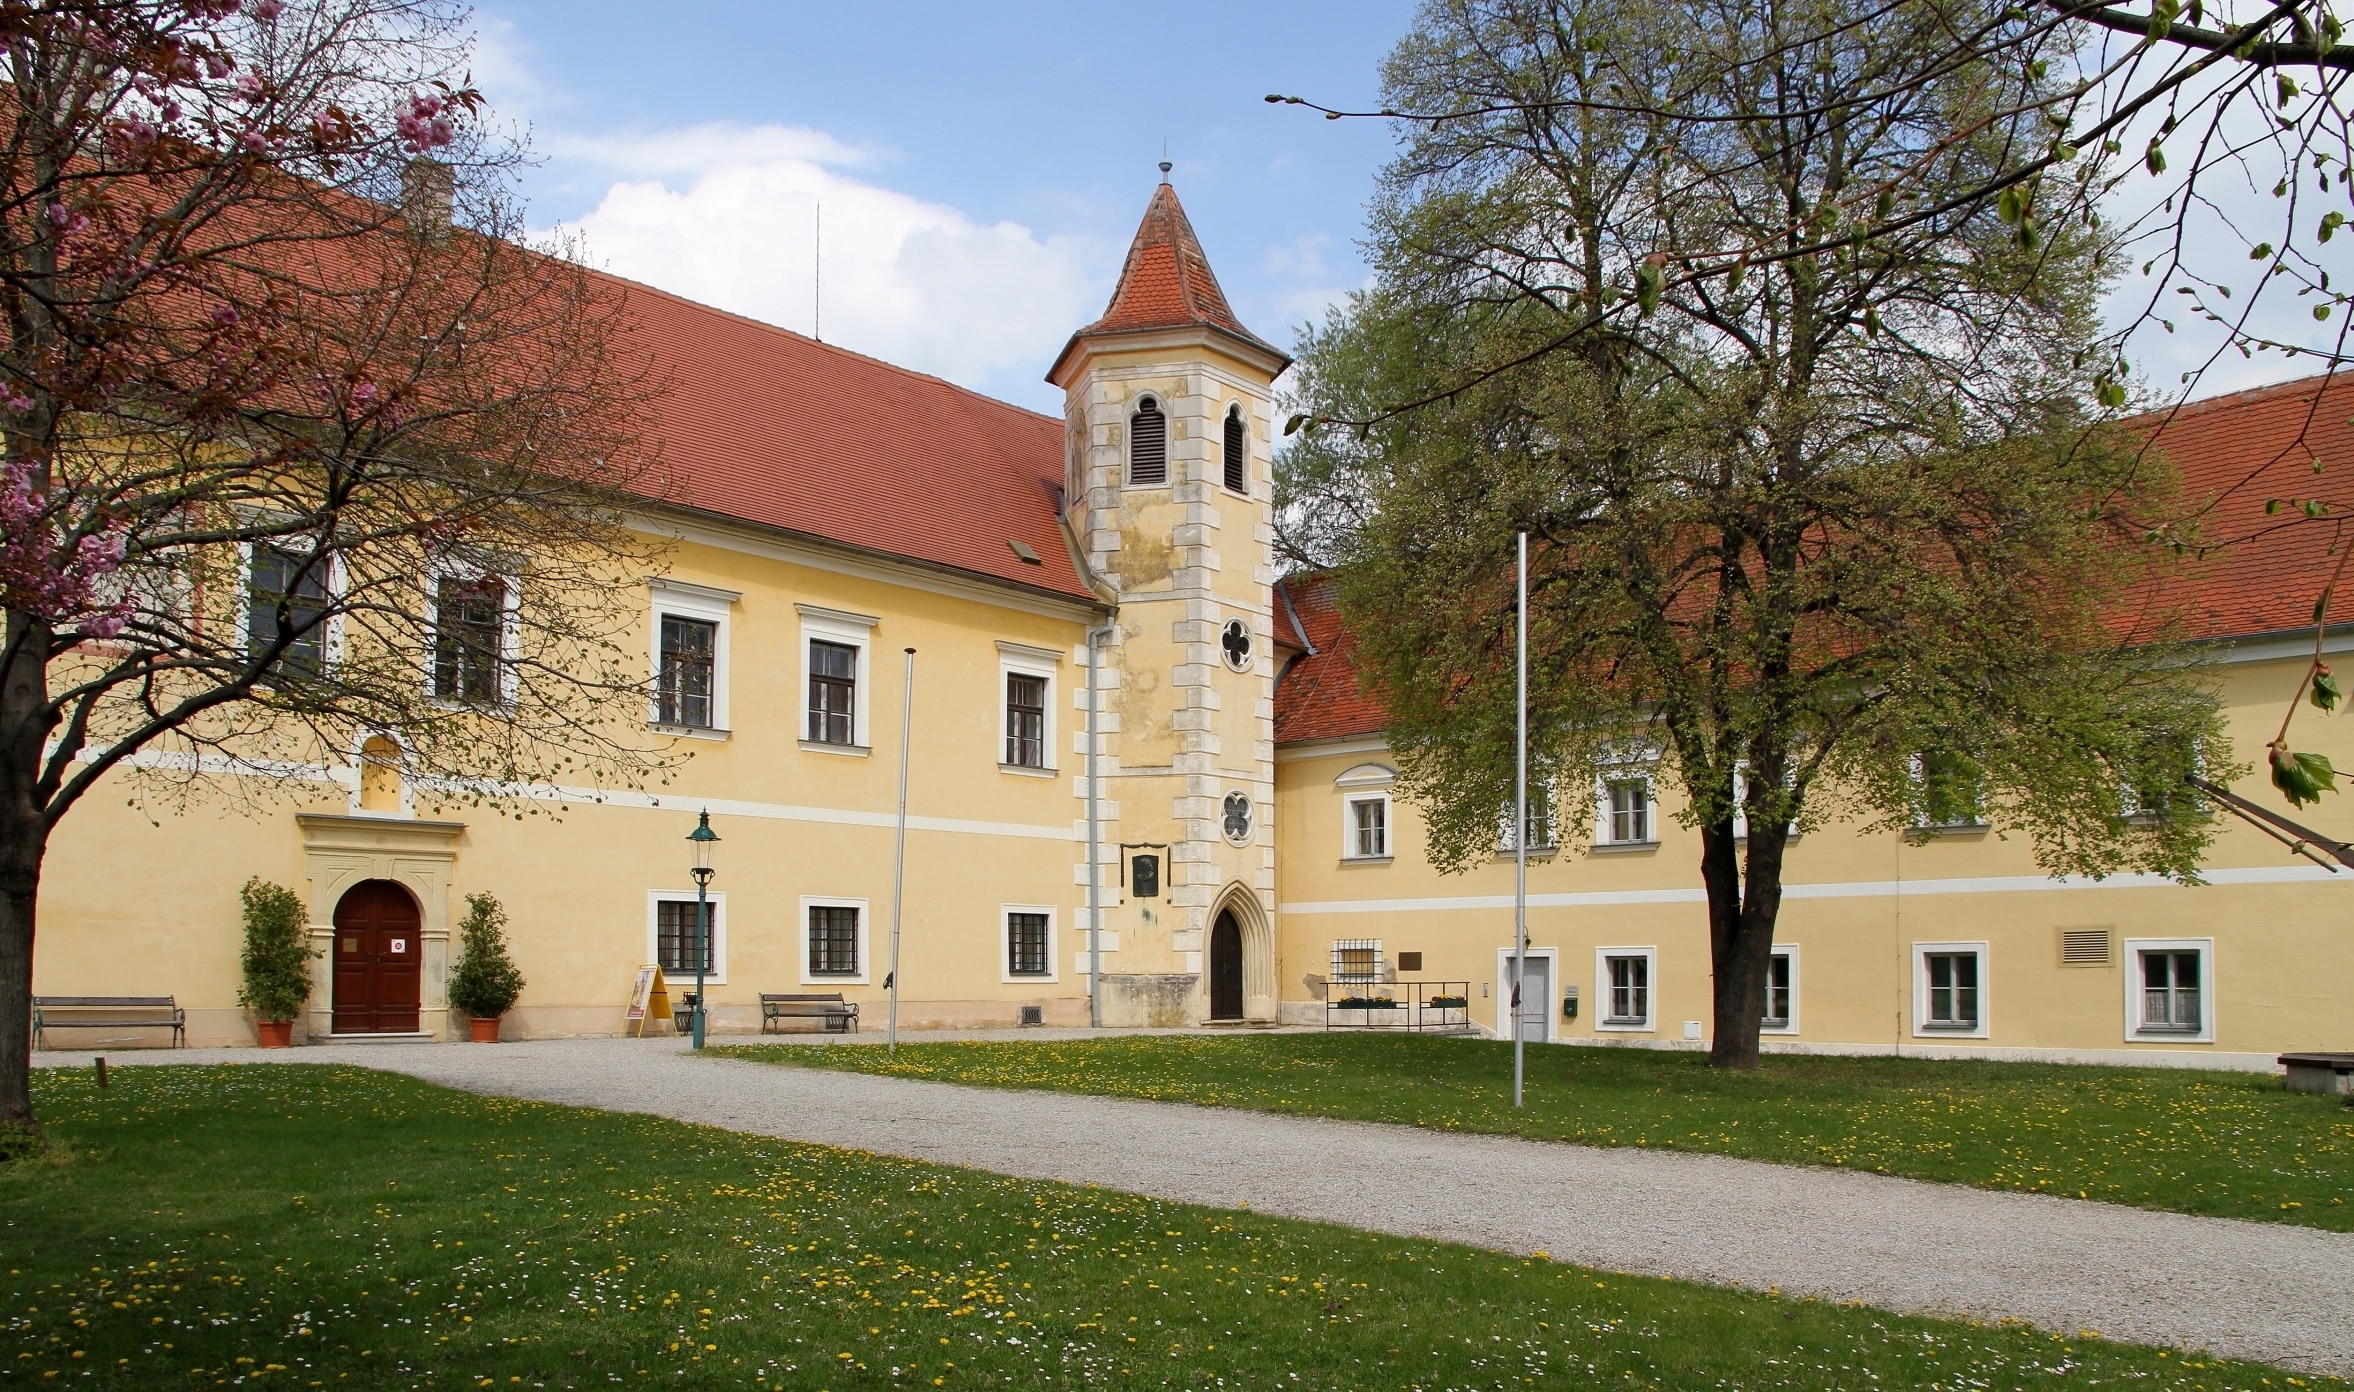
(702,838)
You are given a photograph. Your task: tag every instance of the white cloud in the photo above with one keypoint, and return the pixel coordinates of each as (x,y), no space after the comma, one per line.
(730,218)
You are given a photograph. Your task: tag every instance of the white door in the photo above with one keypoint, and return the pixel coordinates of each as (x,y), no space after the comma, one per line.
(1536,995)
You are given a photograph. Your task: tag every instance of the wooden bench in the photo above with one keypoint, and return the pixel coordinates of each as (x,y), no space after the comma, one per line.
(2319,1072)
(110,1012)
(835,1013)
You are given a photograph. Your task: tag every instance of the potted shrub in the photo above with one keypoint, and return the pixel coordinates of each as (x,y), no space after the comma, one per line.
(277,960)
(485,982)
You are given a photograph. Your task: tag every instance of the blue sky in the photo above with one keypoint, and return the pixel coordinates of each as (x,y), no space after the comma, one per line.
(980,168)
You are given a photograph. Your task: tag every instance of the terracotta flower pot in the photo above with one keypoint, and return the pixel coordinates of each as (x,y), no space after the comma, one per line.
(275,1034)
(482,1029)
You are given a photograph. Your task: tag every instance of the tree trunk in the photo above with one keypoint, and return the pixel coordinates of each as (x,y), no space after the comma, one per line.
(1742,955)
(1720,873)
(20,883)
(24,836)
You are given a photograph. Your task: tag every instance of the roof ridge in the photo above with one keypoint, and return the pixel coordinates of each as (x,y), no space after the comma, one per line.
(2319,381)
(852,353)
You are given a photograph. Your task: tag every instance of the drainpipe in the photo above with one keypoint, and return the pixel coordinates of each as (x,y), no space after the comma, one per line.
(1095,637)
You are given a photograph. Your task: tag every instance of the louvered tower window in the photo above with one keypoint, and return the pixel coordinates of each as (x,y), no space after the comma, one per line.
(1148,444)
(1237,455)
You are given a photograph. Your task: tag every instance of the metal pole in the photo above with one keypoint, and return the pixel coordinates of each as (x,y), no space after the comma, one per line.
(1520,827)
(702,955)
(899,861)
(1094,843)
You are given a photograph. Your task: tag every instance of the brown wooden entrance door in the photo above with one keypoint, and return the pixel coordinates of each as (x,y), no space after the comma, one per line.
(1226,968)
(379,944)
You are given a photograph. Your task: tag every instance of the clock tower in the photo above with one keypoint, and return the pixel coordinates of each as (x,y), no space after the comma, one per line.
(1169,491)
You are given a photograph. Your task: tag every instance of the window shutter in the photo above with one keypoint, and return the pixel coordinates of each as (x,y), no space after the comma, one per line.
(1148,444)
(1237,461)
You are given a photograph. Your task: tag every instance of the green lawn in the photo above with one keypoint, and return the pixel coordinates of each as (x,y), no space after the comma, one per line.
(2225,1143)
(306,1226)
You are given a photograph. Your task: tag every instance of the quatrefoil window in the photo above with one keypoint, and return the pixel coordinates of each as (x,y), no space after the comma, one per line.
(1236,643)
(1237,818)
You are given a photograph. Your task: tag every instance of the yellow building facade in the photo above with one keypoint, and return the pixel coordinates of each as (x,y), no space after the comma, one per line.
(1104,588)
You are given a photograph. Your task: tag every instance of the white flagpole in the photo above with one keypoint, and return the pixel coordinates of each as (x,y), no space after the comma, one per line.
(899,860)
(1520,826)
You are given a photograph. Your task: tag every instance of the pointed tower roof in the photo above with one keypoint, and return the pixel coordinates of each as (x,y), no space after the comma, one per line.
(1167,284)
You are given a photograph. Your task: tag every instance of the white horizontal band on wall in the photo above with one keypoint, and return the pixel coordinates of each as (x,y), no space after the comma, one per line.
(344,775)
(1859,889)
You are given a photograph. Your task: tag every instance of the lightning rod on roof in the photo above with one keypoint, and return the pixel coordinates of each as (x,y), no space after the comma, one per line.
(817,276)
(1164,159)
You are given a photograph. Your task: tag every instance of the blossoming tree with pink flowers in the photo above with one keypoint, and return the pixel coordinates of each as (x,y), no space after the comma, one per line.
(303,447)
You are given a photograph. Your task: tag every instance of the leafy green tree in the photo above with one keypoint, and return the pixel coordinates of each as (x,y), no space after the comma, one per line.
(1826,538)
(486,981)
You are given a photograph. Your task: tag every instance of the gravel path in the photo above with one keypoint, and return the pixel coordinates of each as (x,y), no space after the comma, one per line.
(2252,1290)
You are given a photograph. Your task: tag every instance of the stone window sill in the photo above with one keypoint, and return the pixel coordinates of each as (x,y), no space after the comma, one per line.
(701,732)
(854,751)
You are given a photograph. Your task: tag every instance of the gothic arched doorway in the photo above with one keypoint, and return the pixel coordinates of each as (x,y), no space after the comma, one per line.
(1226,968)
(379,953)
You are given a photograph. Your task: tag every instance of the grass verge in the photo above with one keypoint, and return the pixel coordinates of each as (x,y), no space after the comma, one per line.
(307,1226)
(2232,1144)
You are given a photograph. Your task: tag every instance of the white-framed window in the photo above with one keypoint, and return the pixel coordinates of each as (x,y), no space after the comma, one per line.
(835,678)
(1026,724)
(833,941)
(1365,826)
(1625,811)
(1949,792)
(1781,991)
(289,587)
(1356,961)
(1741,798)
(1625,980)
(474,620)
(2170,990)
(1026,943)
(670,935)
(1148,443)
(1949,990)
(689,657)
(1538,822)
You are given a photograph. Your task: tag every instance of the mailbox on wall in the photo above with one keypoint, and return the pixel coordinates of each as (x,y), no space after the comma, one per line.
(1569,1002)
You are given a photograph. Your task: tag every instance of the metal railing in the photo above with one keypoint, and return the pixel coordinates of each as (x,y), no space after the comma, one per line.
(1428,1007)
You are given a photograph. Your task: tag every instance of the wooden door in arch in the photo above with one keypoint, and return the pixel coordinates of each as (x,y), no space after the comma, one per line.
(1226,968)
(379,946)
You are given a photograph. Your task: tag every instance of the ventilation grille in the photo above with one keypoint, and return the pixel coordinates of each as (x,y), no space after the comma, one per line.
(2084,947)
(1148,445)
(1237,461)
(1033,1014)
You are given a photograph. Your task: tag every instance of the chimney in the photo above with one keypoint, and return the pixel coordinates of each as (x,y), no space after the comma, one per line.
(427,189)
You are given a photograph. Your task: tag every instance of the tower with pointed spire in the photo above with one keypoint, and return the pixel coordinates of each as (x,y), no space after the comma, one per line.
(1169,493)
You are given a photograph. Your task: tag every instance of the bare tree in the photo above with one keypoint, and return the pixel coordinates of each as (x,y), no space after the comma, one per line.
(303,443)
(1830,534)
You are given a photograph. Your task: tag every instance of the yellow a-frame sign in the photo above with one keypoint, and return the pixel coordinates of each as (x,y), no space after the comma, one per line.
(649,1000)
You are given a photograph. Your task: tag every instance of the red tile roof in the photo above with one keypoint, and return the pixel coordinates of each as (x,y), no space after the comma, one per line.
(759,423)
(2233,452)
(1320,696)
(1166,284)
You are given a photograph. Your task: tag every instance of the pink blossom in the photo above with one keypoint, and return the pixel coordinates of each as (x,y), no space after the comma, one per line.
(249,87)
(18,403)
(424,124)
(36,579)
(264,11)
